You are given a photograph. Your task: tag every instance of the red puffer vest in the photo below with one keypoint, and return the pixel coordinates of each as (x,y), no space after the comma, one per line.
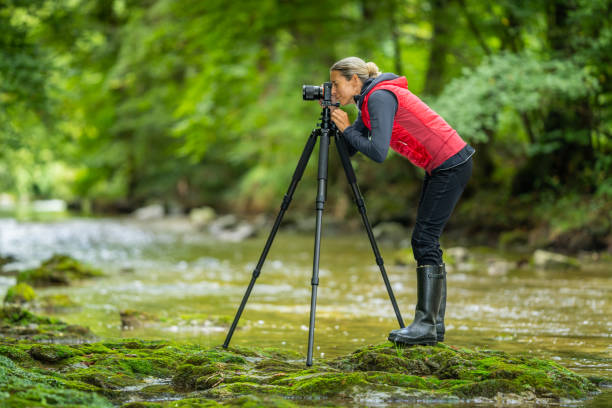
(419,133)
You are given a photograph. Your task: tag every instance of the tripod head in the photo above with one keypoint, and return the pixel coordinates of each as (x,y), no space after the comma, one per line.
(326,123)
(324,95)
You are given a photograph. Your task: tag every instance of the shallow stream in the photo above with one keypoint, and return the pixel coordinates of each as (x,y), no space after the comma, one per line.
(192,285)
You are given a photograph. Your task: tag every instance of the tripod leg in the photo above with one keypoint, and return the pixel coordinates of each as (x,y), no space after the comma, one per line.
(320,204)
(352,179)
(297,175)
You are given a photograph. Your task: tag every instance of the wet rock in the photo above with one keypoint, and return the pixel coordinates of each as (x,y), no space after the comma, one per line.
(51,353)
(58,270)
(551,260)
(150,212)
(19,294)
(202,217)
(229,228)
(131,319)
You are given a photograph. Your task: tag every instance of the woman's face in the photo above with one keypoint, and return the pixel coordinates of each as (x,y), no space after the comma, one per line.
(343,90)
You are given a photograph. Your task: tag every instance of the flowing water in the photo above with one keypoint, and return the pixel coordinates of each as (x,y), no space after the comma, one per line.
(192,284)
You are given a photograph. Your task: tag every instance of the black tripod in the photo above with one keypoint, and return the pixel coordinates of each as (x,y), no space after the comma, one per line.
(327,127)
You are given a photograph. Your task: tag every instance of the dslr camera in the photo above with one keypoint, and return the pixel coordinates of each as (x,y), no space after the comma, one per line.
(322,93)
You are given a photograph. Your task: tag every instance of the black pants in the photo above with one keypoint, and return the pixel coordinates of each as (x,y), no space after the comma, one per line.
(441,191)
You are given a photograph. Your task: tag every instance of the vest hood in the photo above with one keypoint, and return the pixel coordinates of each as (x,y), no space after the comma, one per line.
(371,83)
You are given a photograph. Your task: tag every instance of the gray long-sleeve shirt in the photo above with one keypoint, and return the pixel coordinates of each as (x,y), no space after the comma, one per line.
(382,107)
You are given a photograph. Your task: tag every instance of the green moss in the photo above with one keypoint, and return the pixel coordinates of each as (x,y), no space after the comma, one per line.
(275,365)
(136,344)
(122,369)
(94,348)
(382,359)
(14,353)
(52,353)
(486,388)
(327,384)
(187,376)
(19,294)
(103,379)
(27,388)
(17,322)
(399,380)
(245,388)
(58,270)
(143,404)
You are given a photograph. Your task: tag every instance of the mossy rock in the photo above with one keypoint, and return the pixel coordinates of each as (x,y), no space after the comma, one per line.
(29,388)
(52,353)
(19,323)
(58,270)
(19,294)
(159,373)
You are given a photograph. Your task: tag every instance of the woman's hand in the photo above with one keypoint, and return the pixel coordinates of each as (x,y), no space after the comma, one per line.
(340,118)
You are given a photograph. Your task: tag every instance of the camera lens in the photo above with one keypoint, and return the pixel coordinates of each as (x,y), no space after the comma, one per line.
(312,92)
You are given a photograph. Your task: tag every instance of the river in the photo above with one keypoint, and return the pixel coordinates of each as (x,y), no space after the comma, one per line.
(191,284)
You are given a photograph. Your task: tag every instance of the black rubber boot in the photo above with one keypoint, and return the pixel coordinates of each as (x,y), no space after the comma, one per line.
(440,319)
(429,292)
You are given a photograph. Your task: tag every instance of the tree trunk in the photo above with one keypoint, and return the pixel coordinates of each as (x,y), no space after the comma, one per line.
(441,15)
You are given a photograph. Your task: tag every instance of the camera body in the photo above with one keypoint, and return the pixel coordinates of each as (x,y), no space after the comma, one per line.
(322,93)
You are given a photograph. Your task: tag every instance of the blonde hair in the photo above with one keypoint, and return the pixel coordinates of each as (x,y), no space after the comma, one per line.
(353,65)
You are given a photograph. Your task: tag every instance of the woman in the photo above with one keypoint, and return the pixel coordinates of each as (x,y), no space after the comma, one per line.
(393,117)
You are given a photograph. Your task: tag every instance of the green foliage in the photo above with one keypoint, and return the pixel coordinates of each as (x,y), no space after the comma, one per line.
(198,102)
(474,102)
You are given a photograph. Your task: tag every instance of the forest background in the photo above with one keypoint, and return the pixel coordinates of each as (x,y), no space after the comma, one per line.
(115,104)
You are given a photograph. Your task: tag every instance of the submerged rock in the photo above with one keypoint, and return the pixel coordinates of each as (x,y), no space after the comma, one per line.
(58,270)
(164,374)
